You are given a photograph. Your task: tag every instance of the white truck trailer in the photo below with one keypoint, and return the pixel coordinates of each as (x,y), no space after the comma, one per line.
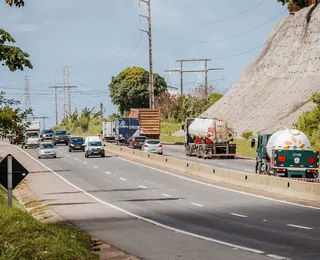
(108,131)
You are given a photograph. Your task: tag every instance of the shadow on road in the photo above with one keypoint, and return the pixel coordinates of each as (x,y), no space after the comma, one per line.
(145,200)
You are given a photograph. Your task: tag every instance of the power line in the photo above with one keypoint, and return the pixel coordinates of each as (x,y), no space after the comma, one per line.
(205,70)
(228,38)
(235,15)
(115,56)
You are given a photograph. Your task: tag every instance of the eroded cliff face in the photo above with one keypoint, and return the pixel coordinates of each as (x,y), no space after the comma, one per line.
(274,89)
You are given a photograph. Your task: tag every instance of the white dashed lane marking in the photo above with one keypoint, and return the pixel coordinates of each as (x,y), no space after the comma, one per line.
(196,204)
(297,226)
(166,195)
(95,167)
(238,215)
(143,187)
(123,179)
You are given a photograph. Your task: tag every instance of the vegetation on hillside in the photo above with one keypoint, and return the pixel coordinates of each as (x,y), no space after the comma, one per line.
(23,237)
(130,89)
(309,122)
(297,3)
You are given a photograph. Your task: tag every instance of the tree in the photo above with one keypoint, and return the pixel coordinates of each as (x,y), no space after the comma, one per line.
(12,120)
(11,56)
(309,122)
(130,89)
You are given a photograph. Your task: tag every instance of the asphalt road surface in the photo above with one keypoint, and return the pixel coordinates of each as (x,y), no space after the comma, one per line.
(265,227)
(237,164)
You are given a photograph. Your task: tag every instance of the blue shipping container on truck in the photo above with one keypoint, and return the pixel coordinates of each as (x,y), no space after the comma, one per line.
(126,127)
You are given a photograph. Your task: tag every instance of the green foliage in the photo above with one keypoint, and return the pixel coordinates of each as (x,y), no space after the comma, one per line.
(23,237)
(178,108)
(297,3)
(87,121)
(17,3)
(309,122)
(130,89)
(11,56)
(12,120)
(246,134)
(113,117)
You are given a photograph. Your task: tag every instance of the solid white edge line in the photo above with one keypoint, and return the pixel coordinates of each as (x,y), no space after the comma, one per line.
(142,218)
(297,226)
(238,215)
(165,195)
(278,257)
(218,187)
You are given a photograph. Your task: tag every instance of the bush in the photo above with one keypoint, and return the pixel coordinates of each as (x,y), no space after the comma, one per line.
(246,134)
(309,122)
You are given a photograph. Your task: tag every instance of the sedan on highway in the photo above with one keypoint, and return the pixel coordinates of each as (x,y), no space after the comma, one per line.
(152,146)
(76,143)
(137,142)
(47,150)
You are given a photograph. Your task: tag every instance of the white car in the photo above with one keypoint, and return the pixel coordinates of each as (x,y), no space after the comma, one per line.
(152,146)
(32,139)
(47,150)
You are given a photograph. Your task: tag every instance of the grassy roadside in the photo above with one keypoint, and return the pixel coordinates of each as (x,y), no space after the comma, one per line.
(23,237)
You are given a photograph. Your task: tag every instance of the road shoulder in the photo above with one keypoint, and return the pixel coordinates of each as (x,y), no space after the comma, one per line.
(42,209)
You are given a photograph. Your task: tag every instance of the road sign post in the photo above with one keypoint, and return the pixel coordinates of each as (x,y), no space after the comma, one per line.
(9,165)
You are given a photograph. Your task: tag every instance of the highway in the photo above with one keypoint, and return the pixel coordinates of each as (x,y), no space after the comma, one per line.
(266,227)
(237,164)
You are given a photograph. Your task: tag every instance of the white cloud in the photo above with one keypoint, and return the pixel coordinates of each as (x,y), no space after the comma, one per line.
(27,27)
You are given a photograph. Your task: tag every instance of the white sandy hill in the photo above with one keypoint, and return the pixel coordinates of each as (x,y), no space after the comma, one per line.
(274,89)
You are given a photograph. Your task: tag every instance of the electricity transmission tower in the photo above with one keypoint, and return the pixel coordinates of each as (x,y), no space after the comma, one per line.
(27,101)
(205,70)
(149,32)
(66,93)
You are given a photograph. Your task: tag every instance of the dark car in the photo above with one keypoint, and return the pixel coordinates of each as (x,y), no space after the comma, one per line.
(47,134)
(76,143)
(137,141)
(61,137)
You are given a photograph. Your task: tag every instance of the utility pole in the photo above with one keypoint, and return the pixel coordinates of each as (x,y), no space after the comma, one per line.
(56,99)
(101,110)
(149,32)
(43,118)
(206,70)
(27,101)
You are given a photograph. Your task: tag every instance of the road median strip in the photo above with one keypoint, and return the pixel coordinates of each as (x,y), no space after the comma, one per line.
(309,192)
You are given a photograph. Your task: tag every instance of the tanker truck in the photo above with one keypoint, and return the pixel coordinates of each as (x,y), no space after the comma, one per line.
(209,137)
(286,153)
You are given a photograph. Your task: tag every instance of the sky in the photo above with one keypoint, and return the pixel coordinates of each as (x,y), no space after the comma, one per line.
(98,39)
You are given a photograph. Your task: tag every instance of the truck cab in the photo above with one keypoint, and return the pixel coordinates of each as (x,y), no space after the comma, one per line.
(262,158)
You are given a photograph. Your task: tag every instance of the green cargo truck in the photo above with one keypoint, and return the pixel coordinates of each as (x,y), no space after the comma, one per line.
(286,153)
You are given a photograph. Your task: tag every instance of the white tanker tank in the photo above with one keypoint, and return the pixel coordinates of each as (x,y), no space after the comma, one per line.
(211,128)
(288,139)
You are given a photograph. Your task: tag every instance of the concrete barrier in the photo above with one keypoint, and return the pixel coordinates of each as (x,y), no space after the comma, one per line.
(282,186)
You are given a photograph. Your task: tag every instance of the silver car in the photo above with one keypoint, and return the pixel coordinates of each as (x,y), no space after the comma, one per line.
(47,150)
(152,146)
